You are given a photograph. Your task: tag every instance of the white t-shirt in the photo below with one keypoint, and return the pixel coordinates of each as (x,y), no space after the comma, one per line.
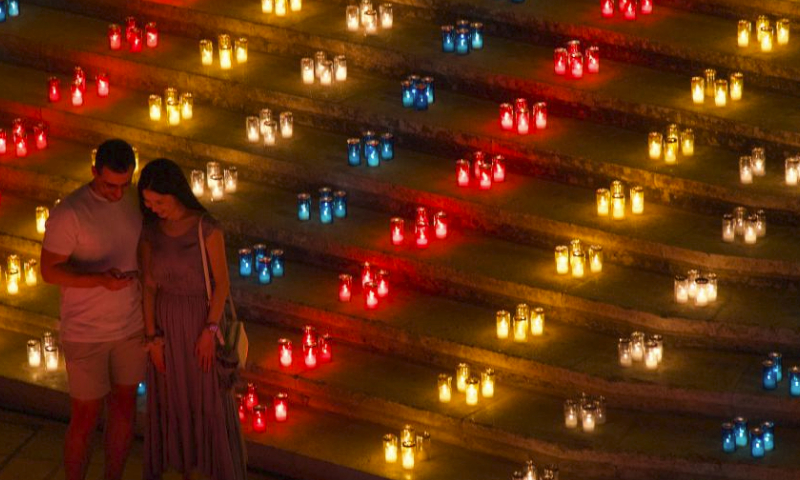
(97,235)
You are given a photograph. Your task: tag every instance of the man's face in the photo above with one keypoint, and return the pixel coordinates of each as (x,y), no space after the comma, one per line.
(110,184)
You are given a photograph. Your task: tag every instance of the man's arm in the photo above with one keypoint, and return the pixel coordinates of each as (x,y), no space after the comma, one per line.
(56,270)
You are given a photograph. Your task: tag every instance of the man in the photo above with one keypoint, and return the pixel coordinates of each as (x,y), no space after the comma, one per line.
(89,250)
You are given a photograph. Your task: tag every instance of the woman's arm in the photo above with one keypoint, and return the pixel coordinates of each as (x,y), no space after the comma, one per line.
(149,288)
(215,247)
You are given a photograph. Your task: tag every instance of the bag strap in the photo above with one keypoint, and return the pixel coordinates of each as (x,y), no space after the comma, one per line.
(207,275)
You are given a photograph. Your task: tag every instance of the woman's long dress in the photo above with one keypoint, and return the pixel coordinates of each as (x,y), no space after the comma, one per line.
(192,423)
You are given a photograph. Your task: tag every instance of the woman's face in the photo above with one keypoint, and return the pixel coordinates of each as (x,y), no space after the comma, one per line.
(164,205)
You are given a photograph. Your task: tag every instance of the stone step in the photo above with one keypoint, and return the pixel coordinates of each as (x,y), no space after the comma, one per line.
(709,181)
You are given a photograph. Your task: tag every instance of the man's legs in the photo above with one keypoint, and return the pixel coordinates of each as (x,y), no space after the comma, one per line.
(82,423)
(119,428)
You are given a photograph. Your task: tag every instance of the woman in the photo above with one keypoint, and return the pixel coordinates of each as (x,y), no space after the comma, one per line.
(192,421)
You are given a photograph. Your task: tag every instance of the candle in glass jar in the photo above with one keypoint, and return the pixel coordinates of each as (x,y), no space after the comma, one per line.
(759,161)
(206,52)
(225,52)
(728,231)
(671,150)
(506,116)
(325,348)
(217,187)
(603,201)
(135,41)
(173,113)
(240,47)
(77,95)
(743,33)
(588,414)
(792,166)
(593,59)
(440,223)
(285,352)
(498,169)
(295,5)
(21,145)
(326,73)
(570,414)
(637,200)
(637,346)
(230,178)
(114,37)
(646,7)
(462,172)
(578,263)
(651,355)
(654,143)
(736,86)
(484,175)
(351,18)
(540,115)
(34,353)
(40,136)
(782,31)
(29,271)
(596,258)
(371,295)
(745,170)
(259,419)
(421,234)
(281,405)
(629,11)
(370,22)
(340,68)
(53,89)
(537,322)
(503,324)
(721,95)
(794,381)
(576,65)
(154,103)
(408,451)
(766,39)
(382,281)
(310,354)
(624,352)
(4,140)
(387,16)
(390,448)
(701,293)
(187,106)
(618,206)
(42,214)
(750,232)
(560,60)
(270,131)
(51,358)
(444,386)
(472,391)
(520,326)
(698,90)
(462,374)
(280,8)
(562,260)
(607,8)
(476,35)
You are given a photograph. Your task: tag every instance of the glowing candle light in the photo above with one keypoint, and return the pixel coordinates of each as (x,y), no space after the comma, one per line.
(280,8)
(624,352)
(651,355)
(537,322)
(281,405)
(366,274)
(618,206)
(267,6)
(646,7)
(520,326)
(151,35)
(603,201)
(408,451)
(340,68)
(503,324)
(307,70)
(259,419)
(295,5)
(51,358)
(154,103)
(462,374)
(743,33)
(576,65)
(3,141)
(217,187)
(42,214)
(187,106)
(692,276)
(285,352)
(782,31)
(540,115)
(370,22)
(390,448)
(382,281)
(421,234)
(77,95)
(240,46)
(444,386)
(593,59)
(309,334)
(792,166)
(766,39)
(560,59)
(40,136)
(325,348)
(721,95)
(34,353)
(573,46)
(206,52)
(607,8)
(759,162)
(698,90)
(462,172)
(506,116)
(440,223)
(270,131)
(687,142)
(745,170)
(484,175)
(310,354)
(671,150)
(387,16)
(595,258)
(251,397)
(21,144)
(728,229)
(326,73)
(761,22)
(173,113)
(562,260)
(750,230)
(737,85)
(351,18)
(637,200)
(114,37)
(578,263)
(135,42)
(102,85)
(53,89)
(130,24)
(371,295)
(589,412)
(225,52)
(701,295)
(654,143)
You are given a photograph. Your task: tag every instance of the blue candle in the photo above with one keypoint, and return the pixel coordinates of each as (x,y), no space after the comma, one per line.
(768,378)
(756,443)
(421,97)
(769,436)
(794,381)
(387,146)
(476,36)
(354,152)
(429,89)
(304,206)
(141,390)
(414,79)
(728,439)
(740,431)
(245,262)
(372,152)
(277,263)
(340,204)
(407,94)
(448,39)
(325,192)
(777,360)
(366,136)
(2,11)
(326,209)
(462,41)
(462,23)
(264,272)
(259,251)
(13,8)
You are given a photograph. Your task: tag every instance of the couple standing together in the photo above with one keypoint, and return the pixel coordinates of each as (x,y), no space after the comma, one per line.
(133,286)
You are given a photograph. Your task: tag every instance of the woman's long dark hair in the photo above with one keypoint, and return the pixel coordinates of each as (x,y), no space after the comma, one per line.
(165,177)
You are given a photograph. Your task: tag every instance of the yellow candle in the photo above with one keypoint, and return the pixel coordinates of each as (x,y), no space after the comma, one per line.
(307,70)
(296,5)
(578,264)
(326,73)
(487,383)
(698,90)
(737,85)
(744,33)
(51,358)
(761,23)
(537,323)
(31,279)
(654,142)
(206,52)
(637,200)
(173,113)
(472,391)
(596,258)
(408,452)
(603,199)
(721,96)
(782,31)
(671,150)
(187,106)
(462,374)
(280,8)
(240,45)
(687,142)
(503,324)
(520,329)
(42,214)
(155,107)
(562,260)
(390,448)
(710,76)
(287,124)
(225,58)
(266,6)
(34,353)
(618,207)
(445,388)
(12,283)
(766,39)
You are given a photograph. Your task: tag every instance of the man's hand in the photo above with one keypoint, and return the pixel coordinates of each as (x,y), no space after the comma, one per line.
(113,280)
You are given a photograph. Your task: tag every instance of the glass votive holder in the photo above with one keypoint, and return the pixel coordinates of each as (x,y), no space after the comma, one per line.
(198,182)
(340,204)
(225,51)
(746,170)
(560,60)
(520,325)
(473,386)
(173,113)
(462,41)
(345,287)
(245,262)
(573,46)
(372,150)
(217,187)
(637,200)
(562,256)
(769,381)
(340,68)
(420,97)
(523,120)
(408,451)
(571,413)
(280,8)
(51,358)
(750,230)
(701,295)
(599,403)
(231,179)
(578,264)
(253,129)
(766,39)
(537,322)
(476,35)
(445,387)
(370,22)
(326,209)
(263,271)
(792,166)
(310,353)
(576,65)
(154,104)
(740,431)
(307,70)
(540,115)
(286,124)
(386,15)
(710,76)
(687,142)
(768,430)
(756,441)
(673,131)
(728,438)
(624,352)
(782,27)
(671,150)
(277,262)
(354,152)
(739,219)
(462,374)
(387,146)
(390,449)
(370,295)
(240,48)
(650,355)
(593,59)
(794,381)
(712,287)
(430,89)
(759,161)
(503,319)
(326,73)
(487,383)
(303,206)
(484,174)
(743,33)
(34,351)
(618,206)
(206,52)
(595,254)
(736,86)
(351,18)
(407,93)
(655,141)
(448,39)
(603,196)
(382,281)
(698,90)
(397,230)
(42,214)
(523,310)
(440,225)
(588,417)
(637,346)
(777,361)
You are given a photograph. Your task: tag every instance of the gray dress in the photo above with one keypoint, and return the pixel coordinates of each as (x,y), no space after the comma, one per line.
(192,423)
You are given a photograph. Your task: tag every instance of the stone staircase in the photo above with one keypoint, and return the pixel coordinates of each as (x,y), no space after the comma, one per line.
(662,424)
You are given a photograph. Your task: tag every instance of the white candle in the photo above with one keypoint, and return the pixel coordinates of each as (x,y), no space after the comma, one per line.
(472,391)
(173,114)
(625,359)
(487,385)
(537,325)
(445,393)
(721,93)
(588,422)
(287,124)
(307,71)
(728,234)
(766,39)
(12,284)
(351,16)
(51,358)
(280,8)
(266,6)
(520,329)
(408,455)
(225,58)
(502,324)
(750,235)
(295,5)
(701,298)
(34,353)
(325,74)
(602,206)
(681,294)
(698,95)
(791,171)
(618,207)
(578,266)
(651,360)
(462,373)
(745,171)
(571,419)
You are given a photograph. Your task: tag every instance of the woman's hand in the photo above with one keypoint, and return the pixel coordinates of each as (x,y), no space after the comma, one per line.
(205,350)
(157,357)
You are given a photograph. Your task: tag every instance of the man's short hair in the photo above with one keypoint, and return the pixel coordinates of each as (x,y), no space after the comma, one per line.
(116,155)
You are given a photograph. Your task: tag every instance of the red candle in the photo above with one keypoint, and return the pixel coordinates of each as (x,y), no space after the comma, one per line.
(325,352)
(40,134)
(151,34)
(371,295)
(285,352)
(576,65)
(53,89)
(3,141)
(422,215)
(251,397)
(281,404)
(498,173)
(539,116)
(630,10)
(135,42)
(477,158)
(77,95)
(130,23)
(573,46)
(607,8)
(310,354)
(523,121)
(242,408)
(398,230)
(309,335)
(646,7)
(102,85)
(560,56)
(366,274)
(622,5)
(17,128)
(520,103)
(22,146)
(114,37)
(80,78)
(259,419)
(462,173)
(382,279)
(345,287)
(421,234)
(440,223)
(485,176)
(506,116)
